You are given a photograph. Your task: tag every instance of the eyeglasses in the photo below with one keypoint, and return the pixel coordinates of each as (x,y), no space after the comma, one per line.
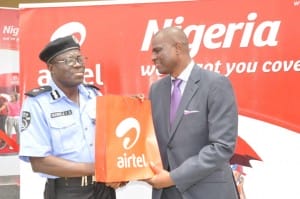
(71,61)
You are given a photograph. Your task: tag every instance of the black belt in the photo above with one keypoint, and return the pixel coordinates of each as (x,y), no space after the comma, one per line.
(59,188)
(73,181)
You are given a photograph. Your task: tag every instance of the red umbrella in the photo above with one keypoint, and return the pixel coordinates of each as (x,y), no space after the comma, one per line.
(243,153)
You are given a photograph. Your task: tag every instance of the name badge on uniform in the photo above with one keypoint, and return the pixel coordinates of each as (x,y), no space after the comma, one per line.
(60,114)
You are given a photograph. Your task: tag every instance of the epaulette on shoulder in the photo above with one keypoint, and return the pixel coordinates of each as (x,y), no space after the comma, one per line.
(91,86)
(36,91)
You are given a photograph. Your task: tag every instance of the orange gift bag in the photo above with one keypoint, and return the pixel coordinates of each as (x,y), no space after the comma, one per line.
(125,139)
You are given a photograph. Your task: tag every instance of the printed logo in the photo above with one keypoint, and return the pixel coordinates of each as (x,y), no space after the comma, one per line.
(10,30)
(71,28)
(255,32)
(123,129)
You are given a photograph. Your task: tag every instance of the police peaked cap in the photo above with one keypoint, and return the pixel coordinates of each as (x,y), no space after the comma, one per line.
(58,46)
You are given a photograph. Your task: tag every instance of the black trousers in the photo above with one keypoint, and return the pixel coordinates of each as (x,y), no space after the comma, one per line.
(72,188)
(171,193)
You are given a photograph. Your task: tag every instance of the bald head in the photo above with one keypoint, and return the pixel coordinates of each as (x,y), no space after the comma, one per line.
(170,51)
(174,35)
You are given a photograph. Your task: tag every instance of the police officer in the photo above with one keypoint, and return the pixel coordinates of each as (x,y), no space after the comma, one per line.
(58,126)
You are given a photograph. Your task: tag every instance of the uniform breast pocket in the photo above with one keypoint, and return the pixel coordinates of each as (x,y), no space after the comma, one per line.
(66,134)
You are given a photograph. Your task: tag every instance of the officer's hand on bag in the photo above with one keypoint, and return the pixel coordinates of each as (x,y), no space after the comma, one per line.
(139,96)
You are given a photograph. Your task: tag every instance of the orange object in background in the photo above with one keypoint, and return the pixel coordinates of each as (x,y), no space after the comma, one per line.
(243,153)
(125,139)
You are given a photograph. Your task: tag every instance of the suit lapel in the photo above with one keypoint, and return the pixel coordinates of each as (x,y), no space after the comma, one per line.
(166,99)
(189,91)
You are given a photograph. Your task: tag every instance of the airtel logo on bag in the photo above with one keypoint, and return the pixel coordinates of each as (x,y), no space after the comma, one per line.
(122,130)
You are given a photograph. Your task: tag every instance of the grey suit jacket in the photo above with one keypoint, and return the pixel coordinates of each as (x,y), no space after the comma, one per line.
(198,147)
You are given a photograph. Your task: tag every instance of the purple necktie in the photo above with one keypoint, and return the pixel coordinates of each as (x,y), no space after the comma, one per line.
(175,99)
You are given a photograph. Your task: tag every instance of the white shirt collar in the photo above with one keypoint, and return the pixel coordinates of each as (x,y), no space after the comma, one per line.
(185,74)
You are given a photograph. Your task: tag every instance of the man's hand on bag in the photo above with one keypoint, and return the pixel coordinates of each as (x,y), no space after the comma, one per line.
(161,178)
(115,185)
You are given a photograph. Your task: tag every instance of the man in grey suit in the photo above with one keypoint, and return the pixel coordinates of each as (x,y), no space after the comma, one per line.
(197,146)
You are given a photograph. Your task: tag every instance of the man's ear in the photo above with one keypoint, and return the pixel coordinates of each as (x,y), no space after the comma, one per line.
(179,47)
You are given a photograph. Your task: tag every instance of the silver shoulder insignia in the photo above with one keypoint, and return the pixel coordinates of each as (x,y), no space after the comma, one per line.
(36,91)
